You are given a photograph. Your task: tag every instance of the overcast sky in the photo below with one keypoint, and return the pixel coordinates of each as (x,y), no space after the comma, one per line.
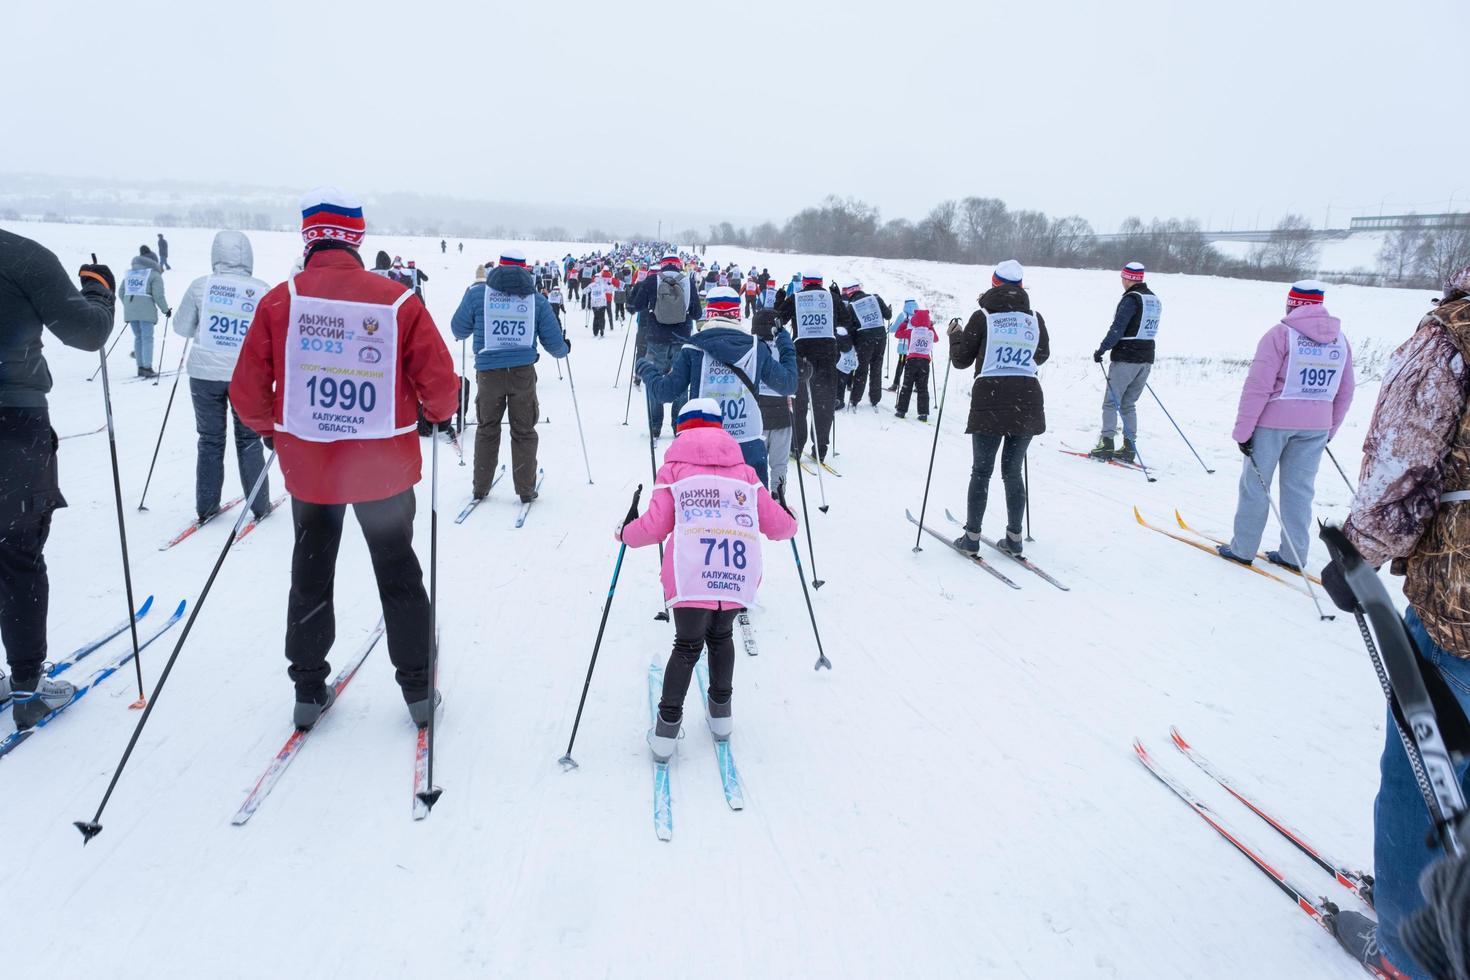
(1218,111)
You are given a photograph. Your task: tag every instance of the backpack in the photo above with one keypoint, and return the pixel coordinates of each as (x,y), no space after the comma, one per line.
(671,299)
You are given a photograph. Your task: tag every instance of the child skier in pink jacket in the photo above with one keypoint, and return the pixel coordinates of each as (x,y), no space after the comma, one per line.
(713,510)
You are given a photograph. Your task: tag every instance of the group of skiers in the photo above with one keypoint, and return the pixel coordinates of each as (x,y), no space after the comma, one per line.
(329,370)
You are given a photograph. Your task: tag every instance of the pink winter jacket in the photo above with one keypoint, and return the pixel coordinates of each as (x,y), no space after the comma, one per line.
(694,453)
(1259,405)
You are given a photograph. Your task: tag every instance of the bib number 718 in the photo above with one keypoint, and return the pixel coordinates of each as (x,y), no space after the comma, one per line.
(732,554)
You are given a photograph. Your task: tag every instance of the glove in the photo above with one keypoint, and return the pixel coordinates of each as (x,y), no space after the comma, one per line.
(270,443)
(99,274)
(168,312)
(1097,356)
(1248,447)
(618,534)
(566,340)
(647,370)
(1334,583)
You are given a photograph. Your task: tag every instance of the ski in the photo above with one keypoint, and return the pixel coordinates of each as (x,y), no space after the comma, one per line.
(89,432)
(15,738)
(1179,519)
(474,502)
(808,470)
(747,633)
(974,559)
(729,777)
(420,771)
(283,758)
(526,504)
(455,445)
(663,804)
(1115,462)
(828,467)
(151,377)
(1209,551)
(254,522)
(92,646)
(1021,560)
(1357,882)
(195,525)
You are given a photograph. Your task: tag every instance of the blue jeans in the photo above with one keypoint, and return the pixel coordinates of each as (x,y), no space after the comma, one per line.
(1400,817)
(211,406)
(1011,459)
(1298,452)
(142,342)
(662,354)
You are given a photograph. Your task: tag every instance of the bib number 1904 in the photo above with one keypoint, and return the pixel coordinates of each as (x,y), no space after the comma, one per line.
(327,392)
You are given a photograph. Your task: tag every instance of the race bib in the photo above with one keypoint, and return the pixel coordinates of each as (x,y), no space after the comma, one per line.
(1313,370)
(921,342)
(555,298)
(135,283)
(870,317)
(741,412)
(848,362)
(717,542)
(768,298)
(1010,349)
(226,313)
(510,321)
(814,319)
(341,378)
(1148,321)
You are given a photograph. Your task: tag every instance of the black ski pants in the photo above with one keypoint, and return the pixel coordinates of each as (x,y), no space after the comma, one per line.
(311,623)
(869,373)
(915,374)
(694,630)
(820,389)
(599,320)
(1012,458)
(29,492)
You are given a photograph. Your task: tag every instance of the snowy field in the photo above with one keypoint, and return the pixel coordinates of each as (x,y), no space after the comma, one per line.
(956,798)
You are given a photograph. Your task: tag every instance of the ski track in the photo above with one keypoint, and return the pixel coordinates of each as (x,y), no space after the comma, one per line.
(957,797)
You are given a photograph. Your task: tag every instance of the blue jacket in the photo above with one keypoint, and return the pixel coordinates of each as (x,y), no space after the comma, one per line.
(469,320)
(640,300)
(729,345)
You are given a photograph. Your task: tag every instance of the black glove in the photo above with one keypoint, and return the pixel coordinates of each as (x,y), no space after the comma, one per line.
(1334,583)
(566,340)
(168,312)
(1097,356)
(1247,448)
(100,275)
(781,499)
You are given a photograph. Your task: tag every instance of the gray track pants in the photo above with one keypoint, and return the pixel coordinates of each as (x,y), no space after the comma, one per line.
(1126,382)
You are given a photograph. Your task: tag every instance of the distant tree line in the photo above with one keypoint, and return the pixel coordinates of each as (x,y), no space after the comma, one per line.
(1417,255)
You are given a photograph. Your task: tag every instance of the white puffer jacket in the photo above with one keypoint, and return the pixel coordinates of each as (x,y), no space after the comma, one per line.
(230,254)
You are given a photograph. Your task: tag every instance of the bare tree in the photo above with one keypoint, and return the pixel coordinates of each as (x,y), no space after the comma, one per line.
(1402,250)
(1446,251)
(1291,249)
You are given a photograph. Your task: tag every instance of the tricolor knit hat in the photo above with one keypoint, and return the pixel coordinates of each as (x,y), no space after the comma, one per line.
(1008,273)
(331,214)
(811,278)
(722,303)
(1308,292)
(513,257)
(1133,272)
(700,413)
(671,261)
(851,287)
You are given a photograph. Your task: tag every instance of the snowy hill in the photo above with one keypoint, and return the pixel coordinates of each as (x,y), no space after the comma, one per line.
(957,797)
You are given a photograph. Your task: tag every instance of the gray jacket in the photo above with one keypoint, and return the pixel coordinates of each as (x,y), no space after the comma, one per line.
(143,308)
(230,255)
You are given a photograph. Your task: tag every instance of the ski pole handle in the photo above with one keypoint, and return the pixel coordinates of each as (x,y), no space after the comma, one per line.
(633,508)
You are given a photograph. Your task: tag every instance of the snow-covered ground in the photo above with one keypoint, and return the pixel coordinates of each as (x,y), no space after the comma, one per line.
(957,797)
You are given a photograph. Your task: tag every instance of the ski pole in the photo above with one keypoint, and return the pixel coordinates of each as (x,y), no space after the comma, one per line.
(464,386)
(1352,489)
(1176,426)
(163,346)
(822,660)
(835,453)
(801,485)
(619,375)
(428,797)
(110,346)
(1301,566)
(572,381)
(933,451)
(168,408)
(122,530)
(567,762)
(1026,482)
(1133,437)
(91,828)
(653,467)
(628,401)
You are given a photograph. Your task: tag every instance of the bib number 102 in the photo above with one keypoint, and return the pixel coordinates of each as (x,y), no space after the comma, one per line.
(733,554)
(326,392)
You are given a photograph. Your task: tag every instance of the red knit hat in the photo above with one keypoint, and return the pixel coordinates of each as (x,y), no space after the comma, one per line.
(332,214)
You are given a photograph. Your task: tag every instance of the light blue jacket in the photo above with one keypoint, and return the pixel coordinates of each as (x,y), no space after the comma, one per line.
(469,321)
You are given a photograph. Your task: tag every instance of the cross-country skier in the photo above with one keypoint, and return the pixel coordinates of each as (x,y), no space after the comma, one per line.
(1008,342)
(142,300)
(35,293)
(775,407)
(815,319)
(343,418)
(872,315)
(217,311)
(505,366)
(919,337)
(1131,340)
(909,306)
(725,363)
(163,252)
(1411,513)
(600,292)
(1295,397)
(709,505)
(672,303)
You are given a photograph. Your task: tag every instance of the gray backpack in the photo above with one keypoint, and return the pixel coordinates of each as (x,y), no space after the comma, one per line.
(671,298)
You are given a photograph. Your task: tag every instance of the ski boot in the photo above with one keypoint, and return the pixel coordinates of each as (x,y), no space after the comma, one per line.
(1010,544)
(924,418)
(1129,452)
(307,713)
(968,543)
(1358,935)
(4,688)
(419,710)
(720,722)
(1104,449)
(1223,550)
(36,699)
(1277,558)
(526,498)
(662,739)
(897,414)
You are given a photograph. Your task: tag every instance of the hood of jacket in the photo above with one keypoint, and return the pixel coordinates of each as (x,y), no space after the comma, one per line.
(705,447)
(383,260)
(1314,323)
(725,343)
(1006,299)
(144,262)
(231,252)
(909,306)
(510,279)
